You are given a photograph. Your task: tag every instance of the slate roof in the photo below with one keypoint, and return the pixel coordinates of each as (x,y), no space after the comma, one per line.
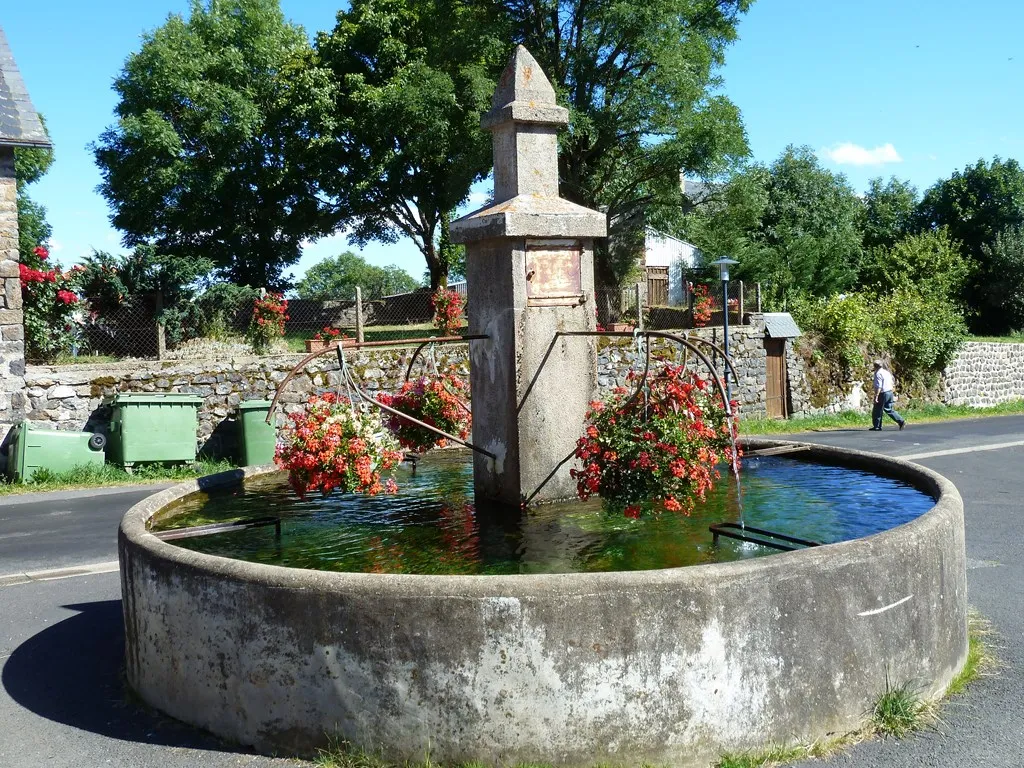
(780,325)
(19,123)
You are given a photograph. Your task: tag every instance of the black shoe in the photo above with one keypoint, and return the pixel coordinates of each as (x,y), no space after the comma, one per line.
(902,425)
(875,429)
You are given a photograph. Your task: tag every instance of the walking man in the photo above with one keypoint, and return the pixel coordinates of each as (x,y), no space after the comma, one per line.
(884,386)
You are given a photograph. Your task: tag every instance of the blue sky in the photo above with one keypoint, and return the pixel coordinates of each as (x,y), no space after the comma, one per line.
(909,88)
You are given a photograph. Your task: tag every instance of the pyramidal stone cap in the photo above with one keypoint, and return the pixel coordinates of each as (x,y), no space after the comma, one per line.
(20,126)
(524,95)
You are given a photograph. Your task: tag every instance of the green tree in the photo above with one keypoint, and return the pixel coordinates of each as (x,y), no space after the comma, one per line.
(30,165)
(929,262)
(727,220)
(1006,290)
(889,212)
(413,78)
(640,79)
(976,205)
(808,240)
(161,285)
(338,277)
(214,151)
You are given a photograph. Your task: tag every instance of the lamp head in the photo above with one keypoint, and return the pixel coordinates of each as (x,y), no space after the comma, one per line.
(723,267)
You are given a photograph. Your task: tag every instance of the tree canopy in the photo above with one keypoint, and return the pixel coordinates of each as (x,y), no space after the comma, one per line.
(976,206)
(640,79)
(219,119)
(808,239)
(338,277)
(414,77)
(889,212)
(30,165)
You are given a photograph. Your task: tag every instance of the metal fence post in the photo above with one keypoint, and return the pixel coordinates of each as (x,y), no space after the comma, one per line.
(161,337)
(359,315)
(758,285)
(739,302)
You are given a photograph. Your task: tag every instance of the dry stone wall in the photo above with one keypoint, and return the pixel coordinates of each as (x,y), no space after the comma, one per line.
(76,397)
(985,373)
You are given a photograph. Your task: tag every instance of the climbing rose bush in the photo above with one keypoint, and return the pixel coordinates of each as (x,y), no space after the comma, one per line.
(434,401)
(334,446)
(448,306)
(267,324)
(663,449)
(49,302)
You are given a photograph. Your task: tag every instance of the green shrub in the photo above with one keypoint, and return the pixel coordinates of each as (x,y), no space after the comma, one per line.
(921,331)
(844,327)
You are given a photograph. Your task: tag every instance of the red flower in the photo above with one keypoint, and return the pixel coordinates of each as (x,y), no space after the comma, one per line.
(41,252)
(66,297)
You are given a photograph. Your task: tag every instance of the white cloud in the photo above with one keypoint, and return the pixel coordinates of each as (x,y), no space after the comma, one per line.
(849,153)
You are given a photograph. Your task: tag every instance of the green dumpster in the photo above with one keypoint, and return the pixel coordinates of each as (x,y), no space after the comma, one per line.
(258,438)
(153,427)
(33,448)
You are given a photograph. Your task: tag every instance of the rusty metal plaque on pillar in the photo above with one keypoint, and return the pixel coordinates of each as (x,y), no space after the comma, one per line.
(553,273)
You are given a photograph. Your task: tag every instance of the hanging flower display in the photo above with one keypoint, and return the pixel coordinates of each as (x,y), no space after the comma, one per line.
(334,446)
(702,305)
(434,401)
(663,448)
(267,324)
(448,306)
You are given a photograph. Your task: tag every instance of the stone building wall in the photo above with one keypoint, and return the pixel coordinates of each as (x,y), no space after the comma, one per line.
(12,334)
(984,373)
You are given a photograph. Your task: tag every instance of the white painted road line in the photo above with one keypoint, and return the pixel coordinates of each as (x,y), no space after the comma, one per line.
(968,449)
(58,573)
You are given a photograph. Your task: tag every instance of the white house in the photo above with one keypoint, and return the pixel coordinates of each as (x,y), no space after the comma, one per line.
(665,258)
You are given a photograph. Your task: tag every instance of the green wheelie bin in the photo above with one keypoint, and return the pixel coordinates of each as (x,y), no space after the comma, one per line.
(258,438)
(33,448)
(153,427)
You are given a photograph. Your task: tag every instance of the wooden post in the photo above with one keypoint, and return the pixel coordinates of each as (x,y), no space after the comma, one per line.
(758,292)
(739,302)
(161,337)
(359,315)
(639,306)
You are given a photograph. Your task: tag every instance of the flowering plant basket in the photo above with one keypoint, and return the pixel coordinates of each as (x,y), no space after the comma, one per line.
(334,446)
(434,401)
(662,450)
(448,306)
(267,324)
(702,305)
(328,337)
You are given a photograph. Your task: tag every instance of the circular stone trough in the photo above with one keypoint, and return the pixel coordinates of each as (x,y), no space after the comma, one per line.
(666,666)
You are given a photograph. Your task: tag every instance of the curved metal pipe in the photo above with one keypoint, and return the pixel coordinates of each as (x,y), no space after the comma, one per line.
(330,350)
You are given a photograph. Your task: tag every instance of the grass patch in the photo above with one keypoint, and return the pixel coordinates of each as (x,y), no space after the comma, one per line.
(1013,338)
(853,419)
(981,659)
(780,755)
(106,475)
(900,711)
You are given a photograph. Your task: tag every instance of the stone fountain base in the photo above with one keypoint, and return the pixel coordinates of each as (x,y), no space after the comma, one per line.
(672,666)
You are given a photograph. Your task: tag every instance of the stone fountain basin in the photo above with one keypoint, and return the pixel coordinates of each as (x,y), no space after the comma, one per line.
(668,666)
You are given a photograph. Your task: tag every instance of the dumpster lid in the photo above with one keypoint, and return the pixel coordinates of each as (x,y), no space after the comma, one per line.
(254,405)
(150,398)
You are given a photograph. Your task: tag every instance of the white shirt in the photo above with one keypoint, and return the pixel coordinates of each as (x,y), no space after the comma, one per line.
(884,382)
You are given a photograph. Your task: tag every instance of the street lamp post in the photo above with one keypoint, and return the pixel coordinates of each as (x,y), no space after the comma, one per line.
(723,265)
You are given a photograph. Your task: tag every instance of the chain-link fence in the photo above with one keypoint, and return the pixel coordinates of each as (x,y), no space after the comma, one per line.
(215,323)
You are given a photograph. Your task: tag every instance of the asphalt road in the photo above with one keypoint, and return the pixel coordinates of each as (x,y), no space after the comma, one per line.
(63,701)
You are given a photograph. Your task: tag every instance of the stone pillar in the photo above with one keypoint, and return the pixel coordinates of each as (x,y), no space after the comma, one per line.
(530,273)
(12,330)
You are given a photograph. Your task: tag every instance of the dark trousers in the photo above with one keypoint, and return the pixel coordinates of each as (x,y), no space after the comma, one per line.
(884,405)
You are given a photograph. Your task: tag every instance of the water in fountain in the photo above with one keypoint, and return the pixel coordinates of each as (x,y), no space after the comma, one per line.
(433,527)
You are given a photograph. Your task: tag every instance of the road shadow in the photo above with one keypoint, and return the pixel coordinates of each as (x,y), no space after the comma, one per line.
(72,673)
